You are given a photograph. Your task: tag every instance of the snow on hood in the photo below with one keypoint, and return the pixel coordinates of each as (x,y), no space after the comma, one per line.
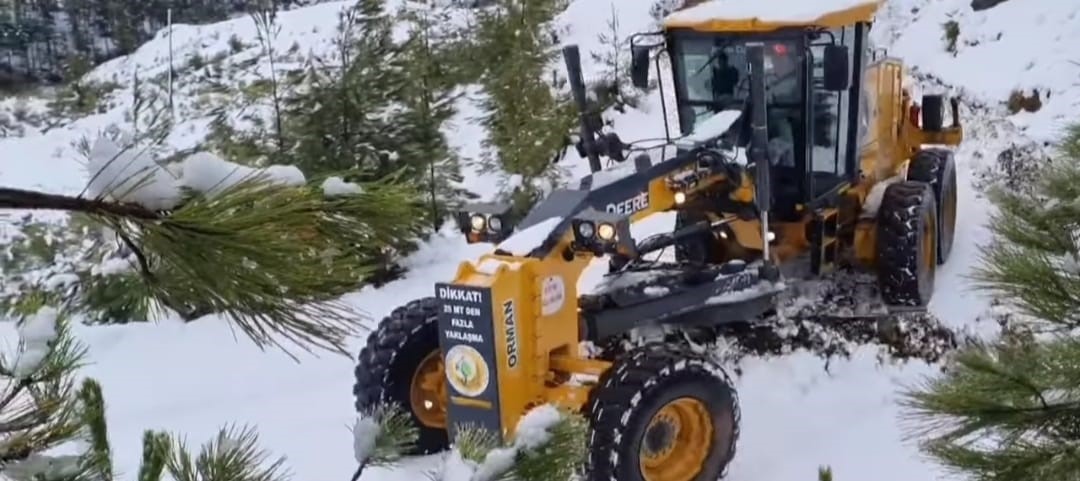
(767,11)
(713,127)
(523,242)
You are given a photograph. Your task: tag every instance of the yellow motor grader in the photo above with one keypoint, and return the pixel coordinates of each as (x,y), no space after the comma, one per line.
(800,151)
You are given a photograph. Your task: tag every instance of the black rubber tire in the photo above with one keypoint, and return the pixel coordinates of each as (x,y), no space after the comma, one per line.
(937,167)
(699,249)
(641,382)
(907,209)
(388,361)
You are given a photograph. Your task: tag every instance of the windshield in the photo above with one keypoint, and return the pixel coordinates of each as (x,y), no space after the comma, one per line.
(712,74)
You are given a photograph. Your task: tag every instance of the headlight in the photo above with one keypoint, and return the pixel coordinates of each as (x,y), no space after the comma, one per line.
(586,229)
(606,232)
(477,221)
(680,198)
(485,221)
(603,233)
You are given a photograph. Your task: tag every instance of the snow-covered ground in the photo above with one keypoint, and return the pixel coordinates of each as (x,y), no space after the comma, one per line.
(193,378)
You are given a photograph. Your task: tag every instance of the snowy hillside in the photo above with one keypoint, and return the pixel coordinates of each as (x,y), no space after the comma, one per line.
(193,378)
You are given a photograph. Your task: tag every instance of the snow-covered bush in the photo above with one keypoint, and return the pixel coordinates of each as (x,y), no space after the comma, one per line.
(549,445)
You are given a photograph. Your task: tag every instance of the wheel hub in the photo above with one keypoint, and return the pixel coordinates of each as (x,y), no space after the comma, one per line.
(660,438)
(677,441)
(427,392)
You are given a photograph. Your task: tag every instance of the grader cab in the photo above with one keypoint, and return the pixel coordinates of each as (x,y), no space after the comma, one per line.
(800,151)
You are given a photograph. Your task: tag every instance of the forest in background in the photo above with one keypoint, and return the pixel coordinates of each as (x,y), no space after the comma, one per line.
(50,41)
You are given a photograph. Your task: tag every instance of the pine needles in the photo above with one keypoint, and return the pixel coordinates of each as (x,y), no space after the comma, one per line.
(1010,409)
(273,258)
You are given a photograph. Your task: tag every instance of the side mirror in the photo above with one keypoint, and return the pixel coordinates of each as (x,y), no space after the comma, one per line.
(837,69)
(639,67)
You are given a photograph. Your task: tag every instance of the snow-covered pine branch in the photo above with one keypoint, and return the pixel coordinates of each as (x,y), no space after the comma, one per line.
(233,454)
(263,246)
(38,408)
(380,436)
(549,445)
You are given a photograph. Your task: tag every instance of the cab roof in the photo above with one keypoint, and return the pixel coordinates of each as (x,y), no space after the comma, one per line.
(768,15)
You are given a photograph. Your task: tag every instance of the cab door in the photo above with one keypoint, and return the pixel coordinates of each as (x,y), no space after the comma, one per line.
(829,132)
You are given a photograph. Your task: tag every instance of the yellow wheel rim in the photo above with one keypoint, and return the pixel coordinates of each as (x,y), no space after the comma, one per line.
(427,392)
(677,441)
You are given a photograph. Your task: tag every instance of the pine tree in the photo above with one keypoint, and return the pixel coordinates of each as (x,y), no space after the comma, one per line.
(613,89)
(1009,409)
(527,120)
(265,18)
(343,119)
(352,114)
(428,102)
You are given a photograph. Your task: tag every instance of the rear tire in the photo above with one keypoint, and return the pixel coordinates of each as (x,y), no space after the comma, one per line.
(404,344)
(907,244)
(937,167)
(656,393)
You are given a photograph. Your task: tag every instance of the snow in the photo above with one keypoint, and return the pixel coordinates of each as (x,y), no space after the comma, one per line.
(209,174)
(36,333)
(875,196)
(1025,45)
(795,415)
(37,466)
(524,241)
(713,127)
(612,174)
(757,290)
(533,430)
(127,174)
(772,11)
(112,266)
(336,186)
(365,433)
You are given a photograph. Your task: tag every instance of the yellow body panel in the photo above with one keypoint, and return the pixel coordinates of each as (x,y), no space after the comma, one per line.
(541,338)
(698,18)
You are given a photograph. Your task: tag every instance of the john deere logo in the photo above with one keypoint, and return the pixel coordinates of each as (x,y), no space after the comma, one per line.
(467,371)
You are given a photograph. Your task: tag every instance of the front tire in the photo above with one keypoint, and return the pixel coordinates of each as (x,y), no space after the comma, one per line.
(401,365)
(662,413)
(907,244)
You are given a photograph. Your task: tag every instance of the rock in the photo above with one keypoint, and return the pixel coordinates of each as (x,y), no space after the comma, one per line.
(978,5)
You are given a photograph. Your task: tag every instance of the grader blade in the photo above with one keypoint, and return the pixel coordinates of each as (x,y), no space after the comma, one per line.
(836,314)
